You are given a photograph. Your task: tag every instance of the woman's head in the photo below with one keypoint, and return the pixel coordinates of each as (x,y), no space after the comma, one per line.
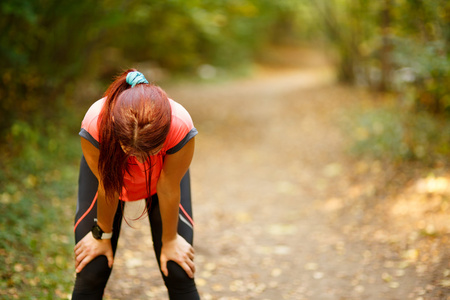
(134,121)
(141,119)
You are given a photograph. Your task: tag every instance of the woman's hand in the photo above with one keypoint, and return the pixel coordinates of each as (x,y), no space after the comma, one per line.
(89,248)
(179,251)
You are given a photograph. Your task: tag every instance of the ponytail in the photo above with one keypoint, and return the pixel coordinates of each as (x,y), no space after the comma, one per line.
(111,156)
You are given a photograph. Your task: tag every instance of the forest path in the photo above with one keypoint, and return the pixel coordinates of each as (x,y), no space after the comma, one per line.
(270,184)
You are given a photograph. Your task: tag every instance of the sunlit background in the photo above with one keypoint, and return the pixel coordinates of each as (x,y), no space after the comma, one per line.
(322,163)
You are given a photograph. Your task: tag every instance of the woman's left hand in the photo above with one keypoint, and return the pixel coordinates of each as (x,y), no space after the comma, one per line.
(179,251)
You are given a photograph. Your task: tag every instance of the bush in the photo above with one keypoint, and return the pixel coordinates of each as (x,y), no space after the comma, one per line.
(391,133)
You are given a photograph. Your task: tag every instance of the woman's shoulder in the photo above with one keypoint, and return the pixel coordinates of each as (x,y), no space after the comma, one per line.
(89,125)
(180,116)
(181,128)
(95,108)
(92,113)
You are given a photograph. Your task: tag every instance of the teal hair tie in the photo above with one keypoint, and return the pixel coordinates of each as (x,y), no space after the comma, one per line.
(135,77)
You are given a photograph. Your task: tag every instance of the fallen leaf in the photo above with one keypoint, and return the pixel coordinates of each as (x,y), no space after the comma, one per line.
(282,250)
(386,277)
(206,274)
(445,283)
(217,287)
(282,229)
(237,285)
(393,284)
(276,272)
(210,266)
(318,275)
(243,217)
(18,268)
(133,262)
(200,282)
(285,187)
(359,289)
(332,170)
(311,266)
(411,255)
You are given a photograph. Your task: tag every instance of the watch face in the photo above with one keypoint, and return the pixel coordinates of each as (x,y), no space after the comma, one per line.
(97,232)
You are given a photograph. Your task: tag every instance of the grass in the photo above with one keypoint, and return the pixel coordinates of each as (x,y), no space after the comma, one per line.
(38,180)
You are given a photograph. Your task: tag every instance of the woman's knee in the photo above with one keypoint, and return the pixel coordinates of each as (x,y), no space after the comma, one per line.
(94,275)
(178,280)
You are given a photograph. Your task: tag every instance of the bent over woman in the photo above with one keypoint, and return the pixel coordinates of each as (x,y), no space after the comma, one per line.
(137,144)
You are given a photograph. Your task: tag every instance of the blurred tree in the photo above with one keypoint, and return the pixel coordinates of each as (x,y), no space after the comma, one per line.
(386,46)
(391,45)
(46,45)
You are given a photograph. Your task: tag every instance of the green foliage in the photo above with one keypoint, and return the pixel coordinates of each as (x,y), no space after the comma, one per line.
(398,135)
(181,35)
(37,199)
(46,46)
(423,75)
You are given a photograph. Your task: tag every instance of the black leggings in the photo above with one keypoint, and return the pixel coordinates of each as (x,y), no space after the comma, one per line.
(91,281)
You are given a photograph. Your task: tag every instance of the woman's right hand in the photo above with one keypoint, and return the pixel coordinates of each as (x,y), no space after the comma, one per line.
(89,248)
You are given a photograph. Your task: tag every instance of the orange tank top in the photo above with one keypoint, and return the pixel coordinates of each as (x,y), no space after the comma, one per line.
(135,186)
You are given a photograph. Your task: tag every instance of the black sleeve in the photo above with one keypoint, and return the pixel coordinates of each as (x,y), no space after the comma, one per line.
(183,142)
(85,134)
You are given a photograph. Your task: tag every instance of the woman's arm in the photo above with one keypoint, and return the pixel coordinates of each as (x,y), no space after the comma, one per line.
(88,248)
(105,211)
(174,247)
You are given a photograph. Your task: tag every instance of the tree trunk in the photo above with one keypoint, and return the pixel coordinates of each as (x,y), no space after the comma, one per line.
(386,47)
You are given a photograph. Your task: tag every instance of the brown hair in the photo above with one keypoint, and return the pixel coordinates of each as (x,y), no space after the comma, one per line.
(133,121)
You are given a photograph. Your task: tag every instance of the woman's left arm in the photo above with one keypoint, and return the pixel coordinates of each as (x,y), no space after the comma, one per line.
(174,247)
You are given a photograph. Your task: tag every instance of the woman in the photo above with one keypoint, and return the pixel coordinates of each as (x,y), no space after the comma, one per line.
(137,144)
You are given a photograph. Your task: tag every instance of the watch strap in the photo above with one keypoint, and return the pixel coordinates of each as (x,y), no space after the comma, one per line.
(106,236)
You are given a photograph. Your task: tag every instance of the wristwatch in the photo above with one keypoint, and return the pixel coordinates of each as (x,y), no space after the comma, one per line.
(98,233)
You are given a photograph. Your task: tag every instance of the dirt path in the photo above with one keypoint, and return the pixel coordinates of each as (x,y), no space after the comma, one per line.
(270,184)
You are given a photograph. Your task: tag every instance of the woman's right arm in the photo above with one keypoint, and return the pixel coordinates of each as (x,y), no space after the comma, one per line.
(89,248)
